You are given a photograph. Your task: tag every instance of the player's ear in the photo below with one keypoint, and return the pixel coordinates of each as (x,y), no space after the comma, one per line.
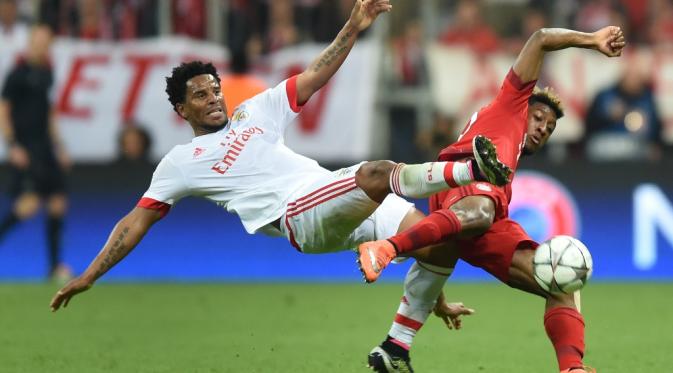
(180,108)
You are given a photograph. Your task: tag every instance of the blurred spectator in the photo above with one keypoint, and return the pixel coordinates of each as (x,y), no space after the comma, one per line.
(469,29)
(77,18)
(408,55)
(661,22)
(534,18)
(189,18)
(636,14)
(623,122)
(13,32)
(133,18)
(431,141)
(49,13)
(36,155)
(13,36)
(282,30)
(407,69)
(135,144)
(246,20)
(92,24)
(596,14)
(319,20)
(101,19)
(239,85)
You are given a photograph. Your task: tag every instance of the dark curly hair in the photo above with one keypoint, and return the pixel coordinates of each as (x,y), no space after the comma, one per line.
(176,84)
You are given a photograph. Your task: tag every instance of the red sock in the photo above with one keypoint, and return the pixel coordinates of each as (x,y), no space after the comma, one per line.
(434,229)
(458,173)
(565,328)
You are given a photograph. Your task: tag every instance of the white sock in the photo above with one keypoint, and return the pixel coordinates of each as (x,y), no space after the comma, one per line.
(426,179)
(422,286)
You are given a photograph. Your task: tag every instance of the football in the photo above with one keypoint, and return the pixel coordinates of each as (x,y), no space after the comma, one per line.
(562,264)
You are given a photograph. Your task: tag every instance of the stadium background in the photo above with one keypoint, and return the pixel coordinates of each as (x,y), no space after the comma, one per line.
(407,88)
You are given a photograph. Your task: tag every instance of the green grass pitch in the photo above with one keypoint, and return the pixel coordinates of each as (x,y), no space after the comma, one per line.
(316,328)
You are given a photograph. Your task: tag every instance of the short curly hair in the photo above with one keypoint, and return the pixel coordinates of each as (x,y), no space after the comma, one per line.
(176,84)
(548,97)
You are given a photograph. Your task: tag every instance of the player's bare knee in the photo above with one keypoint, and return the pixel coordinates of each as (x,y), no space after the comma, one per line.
(475,217)
(27,206)
(375,171)
(373,177)
(57,205)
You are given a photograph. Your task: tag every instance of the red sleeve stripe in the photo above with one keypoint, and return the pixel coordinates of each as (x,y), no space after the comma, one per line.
(395,180)
(292,239)
(152,204)
(291,89)
(515,80)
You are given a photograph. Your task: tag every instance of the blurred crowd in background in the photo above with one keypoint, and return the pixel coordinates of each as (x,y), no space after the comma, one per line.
(486,25)
(251,29)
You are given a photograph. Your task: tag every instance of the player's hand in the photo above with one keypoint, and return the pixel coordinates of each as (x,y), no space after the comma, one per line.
(451,313)
(72,288)
(610,41)
(18,156)
(64,160)
(365,12)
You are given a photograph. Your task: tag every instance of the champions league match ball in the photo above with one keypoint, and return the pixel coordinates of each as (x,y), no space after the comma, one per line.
(562,264)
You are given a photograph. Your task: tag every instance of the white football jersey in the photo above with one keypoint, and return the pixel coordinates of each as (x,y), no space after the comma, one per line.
(245,167)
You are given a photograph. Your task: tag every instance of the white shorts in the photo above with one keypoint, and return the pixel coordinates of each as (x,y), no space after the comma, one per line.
(331,213)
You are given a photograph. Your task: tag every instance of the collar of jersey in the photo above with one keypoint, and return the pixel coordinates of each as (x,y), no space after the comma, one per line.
(207,136)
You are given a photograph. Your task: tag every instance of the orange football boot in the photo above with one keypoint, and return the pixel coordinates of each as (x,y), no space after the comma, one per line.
(373,257)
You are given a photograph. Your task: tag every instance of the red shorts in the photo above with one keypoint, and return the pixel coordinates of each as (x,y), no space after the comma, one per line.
(493,250)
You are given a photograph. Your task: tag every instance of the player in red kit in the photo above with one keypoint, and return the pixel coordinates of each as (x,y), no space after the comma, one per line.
(473,220)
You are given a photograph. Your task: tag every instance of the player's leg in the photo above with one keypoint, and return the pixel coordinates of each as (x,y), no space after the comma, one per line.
(56,206)
(563,321)
(469,216)
(336,202)
(379,178)
(25,199)
(25,206)
(506,251)
(422,286)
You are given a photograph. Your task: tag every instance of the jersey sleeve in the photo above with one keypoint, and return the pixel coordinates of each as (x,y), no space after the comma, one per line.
(279,103)
(514,93)
(167,187)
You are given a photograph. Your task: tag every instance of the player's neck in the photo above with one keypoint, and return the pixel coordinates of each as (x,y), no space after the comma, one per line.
(206,130)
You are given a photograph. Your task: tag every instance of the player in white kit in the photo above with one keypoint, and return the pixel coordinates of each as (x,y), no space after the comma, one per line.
(243,165)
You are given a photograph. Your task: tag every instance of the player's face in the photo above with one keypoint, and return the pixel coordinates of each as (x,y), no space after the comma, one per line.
(204,106)
(541,124)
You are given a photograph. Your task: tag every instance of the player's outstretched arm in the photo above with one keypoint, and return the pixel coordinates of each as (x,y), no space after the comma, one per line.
(328,62)
(609,40)
(124,237)
(451,312)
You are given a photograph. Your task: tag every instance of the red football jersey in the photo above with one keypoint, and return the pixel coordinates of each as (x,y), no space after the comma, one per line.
(503,121)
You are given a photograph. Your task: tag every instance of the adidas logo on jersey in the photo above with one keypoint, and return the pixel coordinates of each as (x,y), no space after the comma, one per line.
(198,151)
